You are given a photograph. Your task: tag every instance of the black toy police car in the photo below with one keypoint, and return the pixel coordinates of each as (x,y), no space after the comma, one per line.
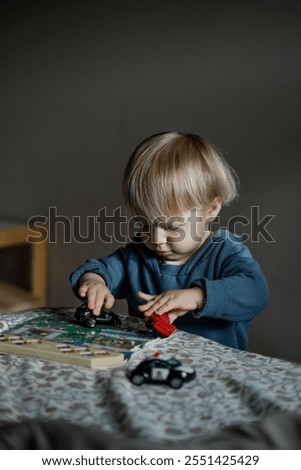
(85,317)
(159,371)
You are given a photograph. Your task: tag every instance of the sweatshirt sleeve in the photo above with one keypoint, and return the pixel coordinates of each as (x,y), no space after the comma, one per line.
(111,268)
(240,291)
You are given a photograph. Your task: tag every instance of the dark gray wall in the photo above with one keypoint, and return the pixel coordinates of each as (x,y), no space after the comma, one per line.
(83,82)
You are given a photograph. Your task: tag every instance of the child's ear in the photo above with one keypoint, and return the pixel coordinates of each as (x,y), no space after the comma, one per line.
(213,209)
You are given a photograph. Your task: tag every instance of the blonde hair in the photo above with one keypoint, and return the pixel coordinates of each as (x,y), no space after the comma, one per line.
(171,171)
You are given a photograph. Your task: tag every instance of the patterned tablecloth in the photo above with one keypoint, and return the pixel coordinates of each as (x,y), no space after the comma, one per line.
(231,387)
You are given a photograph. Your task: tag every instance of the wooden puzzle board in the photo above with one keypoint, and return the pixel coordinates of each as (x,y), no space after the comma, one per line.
(62,352)
(59,338)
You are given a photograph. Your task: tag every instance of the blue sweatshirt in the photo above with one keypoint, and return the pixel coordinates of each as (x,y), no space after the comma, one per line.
(236,290)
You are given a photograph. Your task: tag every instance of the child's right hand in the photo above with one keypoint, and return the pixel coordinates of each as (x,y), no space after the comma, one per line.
(93,287)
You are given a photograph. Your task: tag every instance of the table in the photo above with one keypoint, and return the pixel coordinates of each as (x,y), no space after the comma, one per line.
(232,387)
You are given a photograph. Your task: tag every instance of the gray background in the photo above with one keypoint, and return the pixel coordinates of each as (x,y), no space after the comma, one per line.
(83,82)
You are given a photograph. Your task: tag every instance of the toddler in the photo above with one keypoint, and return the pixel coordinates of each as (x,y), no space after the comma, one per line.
(208,283)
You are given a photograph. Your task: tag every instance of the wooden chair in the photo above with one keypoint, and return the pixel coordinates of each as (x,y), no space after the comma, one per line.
(29,287)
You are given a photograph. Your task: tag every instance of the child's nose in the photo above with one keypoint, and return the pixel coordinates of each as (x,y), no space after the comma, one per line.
(159,235)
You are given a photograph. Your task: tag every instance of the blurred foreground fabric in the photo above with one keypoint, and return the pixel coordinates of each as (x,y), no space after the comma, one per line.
(275,432)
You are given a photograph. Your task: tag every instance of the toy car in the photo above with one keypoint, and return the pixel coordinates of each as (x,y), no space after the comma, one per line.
(159,371)
(160,324)
(85,317)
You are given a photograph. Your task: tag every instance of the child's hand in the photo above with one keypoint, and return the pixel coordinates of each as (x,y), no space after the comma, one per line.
(173,302)
(93,287)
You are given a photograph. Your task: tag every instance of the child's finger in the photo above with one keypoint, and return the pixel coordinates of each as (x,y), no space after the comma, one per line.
(145,296)
(91,300)
(82,291)
(149,301)
(172,317)
(109,301)
(143,308)
(159,306)
(97,303)
(165,306)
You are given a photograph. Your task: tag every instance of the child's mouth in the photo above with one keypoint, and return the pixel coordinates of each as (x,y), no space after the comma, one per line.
(164,253)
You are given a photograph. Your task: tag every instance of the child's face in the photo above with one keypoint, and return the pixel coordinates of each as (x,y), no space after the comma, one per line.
(175,239)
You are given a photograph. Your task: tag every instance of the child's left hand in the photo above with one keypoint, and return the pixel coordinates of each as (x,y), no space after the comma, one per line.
(173,302)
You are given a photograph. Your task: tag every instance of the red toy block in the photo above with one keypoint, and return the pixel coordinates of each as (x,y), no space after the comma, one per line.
(161,324)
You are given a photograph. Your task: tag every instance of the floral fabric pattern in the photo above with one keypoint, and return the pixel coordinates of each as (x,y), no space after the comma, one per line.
(231,387)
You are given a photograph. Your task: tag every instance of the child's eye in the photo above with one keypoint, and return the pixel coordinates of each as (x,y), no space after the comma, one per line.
(175,223)
(174,228)
(142,227)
